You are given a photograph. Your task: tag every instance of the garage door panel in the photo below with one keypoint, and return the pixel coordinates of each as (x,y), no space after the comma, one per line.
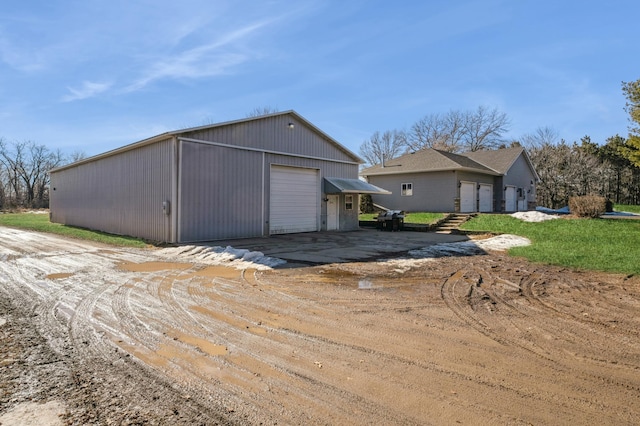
(485,195)
(294,200)
(467,197)
(510,199)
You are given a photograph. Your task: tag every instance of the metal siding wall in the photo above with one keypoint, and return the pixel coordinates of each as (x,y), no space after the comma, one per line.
(274,134)
(433,192)
(349,218)
(234,209)
(327,169)
(122,194)
(220,193)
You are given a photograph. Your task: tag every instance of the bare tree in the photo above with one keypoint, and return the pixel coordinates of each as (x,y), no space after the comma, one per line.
(76,156)
(540,137)
(565,170)
(26,168)
(456,131)
(12,162)
(437,131)
(484,129)
(51,161)
(265,110)
(382,147)
(4,176)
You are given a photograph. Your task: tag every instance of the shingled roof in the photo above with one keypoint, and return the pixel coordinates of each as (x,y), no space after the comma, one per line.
(499,160)
(432,160)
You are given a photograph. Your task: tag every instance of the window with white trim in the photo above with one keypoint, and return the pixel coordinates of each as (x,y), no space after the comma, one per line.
(406,189)
(348,202)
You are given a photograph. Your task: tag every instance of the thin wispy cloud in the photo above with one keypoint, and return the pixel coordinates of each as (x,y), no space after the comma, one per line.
(207,60)
(20,58)
(374,68)
(87,90)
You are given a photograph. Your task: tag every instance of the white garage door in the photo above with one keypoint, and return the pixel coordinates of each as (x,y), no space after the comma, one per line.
(294,200)
(467,197)
(485,196)
(510,199)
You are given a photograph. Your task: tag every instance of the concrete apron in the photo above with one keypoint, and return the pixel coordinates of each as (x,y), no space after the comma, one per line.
(337,247)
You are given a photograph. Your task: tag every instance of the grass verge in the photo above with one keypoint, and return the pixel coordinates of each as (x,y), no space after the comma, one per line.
(40,222)
(626,208)
(611,245)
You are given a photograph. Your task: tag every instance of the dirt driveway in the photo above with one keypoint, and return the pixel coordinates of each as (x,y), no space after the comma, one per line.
(90,334)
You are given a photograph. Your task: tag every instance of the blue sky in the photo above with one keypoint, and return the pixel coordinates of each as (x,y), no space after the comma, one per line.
(93,75)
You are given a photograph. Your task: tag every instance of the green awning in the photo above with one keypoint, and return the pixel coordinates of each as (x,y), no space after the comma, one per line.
(351,186)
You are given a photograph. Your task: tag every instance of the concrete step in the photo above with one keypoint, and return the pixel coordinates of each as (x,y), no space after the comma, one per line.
(452,223)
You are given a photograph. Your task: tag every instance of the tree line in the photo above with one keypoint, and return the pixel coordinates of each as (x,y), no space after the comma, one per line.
(454,131)
(584,168)
(611,170)
(566,169)
(24,173)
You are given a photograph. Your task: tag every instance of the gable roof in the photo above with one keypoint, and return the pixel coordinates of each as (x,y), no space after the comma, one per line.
(502,159)
(428,160)
(499,160)
(178,133)
(495,162)
(291,112)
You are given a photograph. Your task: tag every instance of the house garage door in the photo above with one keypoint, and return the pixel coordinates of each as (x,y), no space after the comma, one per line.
(485,198)
(294,200)
(467,197)
(510,199)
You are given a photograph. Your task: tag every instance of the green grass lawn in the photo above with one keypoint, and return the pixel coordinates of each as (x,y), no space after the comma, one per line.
(40,222)
(419,217)
(626,208)
(611,245)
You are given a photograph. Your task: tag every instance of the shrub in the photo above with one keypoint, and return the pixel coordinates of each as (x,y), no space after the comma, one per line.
(588,206)
(366,204)
(609,205)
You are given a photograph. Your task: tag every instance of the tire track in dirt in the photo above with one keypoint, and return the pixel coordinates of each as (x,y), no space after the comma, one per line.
(463,294)
(173,307)
(580,322)
(256,346)
(253,307)
(510,329)
(307,346)
(340,342)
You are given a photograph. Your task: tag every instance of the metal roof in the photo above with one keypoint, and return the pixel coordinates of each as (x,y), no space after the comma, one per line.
(351,186)
(178,133)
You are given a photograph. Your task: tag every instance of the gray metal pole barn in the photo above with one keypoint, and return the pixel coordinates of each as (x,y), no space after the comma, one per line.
(245,178)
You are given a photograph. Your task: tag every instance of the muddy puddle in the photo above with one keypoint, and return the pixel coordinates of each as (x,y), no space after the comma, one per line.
(216,272)
(359,281)
(201,344)
(153,266)
(205,272)
(59,276)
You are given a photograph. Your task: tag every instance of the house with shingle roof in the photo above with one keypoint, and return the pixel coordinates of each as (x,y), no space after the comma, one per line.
(502,180)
